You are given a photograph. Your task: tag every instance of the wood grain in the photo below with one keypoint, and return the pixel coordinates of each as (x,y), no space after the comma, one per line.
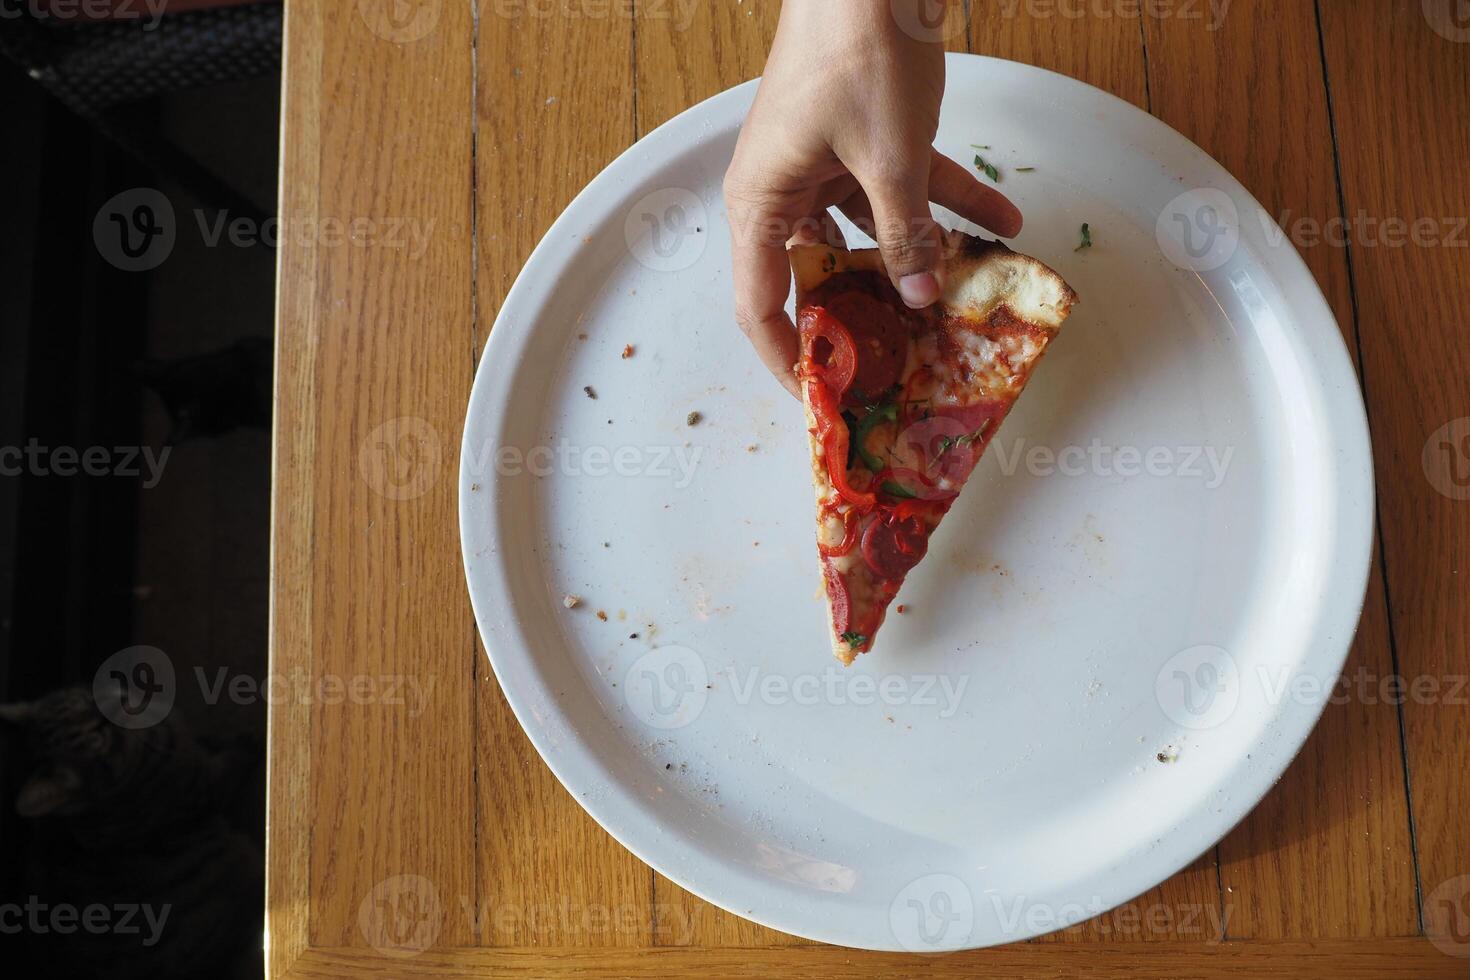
(365,505)
(289,764)
(1328,852)
(555,105)
(1102,51)
(1399,94)
(1383,959)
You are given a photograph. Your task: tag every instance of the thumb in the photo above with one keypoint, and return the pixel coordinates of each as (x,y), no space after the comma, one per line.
(908,235)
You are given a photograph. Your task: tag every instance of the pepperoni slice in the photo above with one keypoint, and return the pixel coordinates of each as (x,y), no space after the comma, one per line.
(879,337)
(891,549)
(837,597)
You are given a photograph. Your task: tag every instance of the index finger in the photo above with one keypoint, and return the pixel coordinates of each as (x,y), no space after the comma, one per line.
(762,282)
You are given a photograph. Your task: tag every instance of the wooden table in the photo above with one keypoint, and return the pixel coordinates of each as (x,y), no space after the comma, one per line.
(476,127)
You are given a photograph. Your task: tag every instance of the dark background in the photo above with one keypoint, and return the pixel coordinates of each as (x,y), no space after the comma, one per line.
(174,356)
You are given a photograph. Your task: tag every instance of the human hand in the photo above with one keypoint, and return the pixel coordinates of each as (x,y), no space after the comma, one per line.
(845,117)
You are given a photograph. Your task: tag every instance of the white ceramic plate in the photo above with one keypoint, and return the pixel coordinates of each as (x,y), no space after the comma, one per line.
(1112,647)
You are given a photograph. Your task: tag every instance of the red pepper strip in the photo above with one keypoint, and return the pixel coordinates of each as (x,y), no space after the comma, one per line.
(849,535)
(905,509)
(832,432)
(835,368)
(835,444)
(824,407)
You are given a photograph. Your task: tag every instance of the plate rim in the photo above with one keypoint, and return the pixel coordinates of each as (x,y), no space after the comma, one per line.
(1352,542)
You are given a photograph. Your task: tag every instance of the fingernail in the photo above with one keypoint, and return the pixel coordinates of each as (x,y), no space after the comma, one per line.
(918,289)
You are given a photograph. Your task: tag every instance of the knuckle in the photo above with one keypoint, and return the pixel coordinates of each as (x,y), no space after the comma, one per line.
(904,244)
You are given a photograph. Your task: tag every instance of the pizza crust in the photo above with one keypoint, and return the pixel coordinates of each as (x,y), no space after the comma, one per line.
(977,278)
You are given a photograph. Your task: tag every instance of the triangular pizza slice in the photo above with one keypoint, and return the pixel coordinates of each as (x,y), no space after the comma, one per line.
(901,403)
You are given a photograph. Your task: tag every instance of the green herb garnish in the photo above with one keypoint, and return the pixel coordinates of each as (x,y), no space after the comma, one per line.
(946,443)
(989,169)
(1086,238)
(977,146)
(887,412)
(1024,170)
(854,640)
(895,489)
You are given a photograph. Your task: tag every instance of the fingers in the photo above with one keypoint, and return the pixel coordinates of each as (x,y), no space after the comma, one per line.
(906,232)
(953,186)
(762,280)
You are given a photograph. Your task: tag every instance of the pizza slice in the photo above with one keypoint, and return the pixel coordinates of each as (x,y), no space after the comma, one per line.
(901,404)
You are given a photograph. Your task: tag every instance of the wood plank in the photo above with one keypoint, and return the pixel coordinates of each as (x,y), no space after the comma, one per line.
(1381,959)
(1400,81)
(364,590)
(289,765)
(1328,852)
(555,105)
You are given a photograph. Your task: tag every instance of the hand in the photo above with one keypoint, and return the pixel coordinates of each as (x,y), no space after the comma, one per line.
(845,117)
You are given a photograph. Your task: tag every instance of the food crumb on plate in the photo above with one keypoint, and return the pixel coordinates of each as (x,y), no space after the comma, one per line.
(901,609)
(627,351)
(1169,754)
(589,392)
(693,418)
(602,615)
(571,601)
